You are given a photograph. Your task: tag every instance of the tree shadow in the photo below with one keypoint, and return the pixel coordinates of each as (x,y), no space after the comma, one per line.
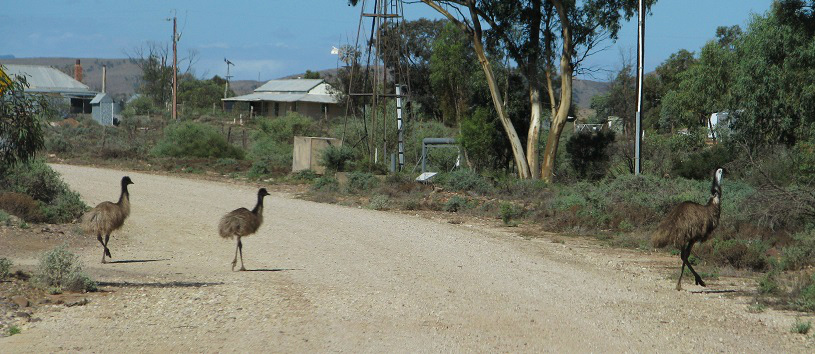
(138,261)
(172,284)
(715,291)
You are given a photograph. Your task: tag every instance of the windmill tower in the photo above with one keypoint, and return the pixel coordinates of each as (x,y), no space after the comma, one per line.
(383,77)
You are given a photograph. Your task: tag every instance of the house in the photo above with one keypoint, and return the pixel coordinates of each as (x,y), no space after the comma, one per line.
(51,82)
(105,110)
(310,97)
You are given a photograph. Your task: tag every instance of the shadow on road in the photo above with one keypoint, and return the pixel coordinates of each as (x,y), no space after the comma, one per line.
(139,260)
(172,284)
(715,291)
(270,270)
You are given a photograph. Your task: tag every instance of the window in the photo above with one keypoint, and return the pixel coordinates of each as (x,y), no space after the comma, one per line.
(294,106)
(276,109)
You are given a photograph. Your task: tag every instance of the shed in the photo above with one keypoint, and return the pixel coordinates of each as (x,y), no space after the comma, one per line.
(104,109)
(310,97)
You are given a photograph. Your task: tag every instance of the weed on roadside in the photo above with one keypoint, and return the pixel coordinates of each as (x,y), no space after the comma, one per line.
(60,270)
(13,329)
(801,327)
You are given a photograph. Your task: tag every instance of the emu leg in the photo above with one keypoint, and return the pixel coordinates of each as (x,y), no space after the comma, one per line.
(235,260)
(104,248)
(240,248)
(699,280)
(682,271)
(107,250)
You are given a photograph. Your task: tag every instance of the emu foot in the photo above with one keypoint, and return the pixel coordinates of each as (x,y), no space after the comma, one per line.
(701,282)
(107,252)
(233,265)
(103,260)
(242,269)
(678,286)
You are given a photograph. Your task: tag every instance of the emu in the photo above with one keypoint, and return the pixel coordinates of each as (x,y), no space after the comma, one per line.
(108,217)
(689,223)
(241,223)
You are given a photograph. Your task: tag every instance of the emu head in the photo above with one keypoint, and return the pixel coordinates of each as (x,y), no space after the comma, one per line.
(716,187)
(126,181)
(262,192)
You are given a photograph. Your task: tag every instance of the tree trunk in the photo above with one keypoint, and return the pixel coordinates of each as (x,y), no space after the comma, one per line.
(559,120)
(533,136)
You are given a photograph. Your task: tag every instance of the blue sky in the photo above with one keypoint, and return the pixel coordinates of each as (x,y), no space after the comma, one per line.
(273,38)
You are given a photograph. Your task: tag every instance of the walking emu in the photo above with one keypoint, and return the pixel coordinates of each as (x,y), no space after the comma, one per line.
(241,223)
(689,223)
(108,217)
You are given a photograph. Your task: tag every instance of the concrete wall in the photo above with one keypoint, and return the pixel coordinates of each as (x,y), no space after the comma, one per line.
(307,150)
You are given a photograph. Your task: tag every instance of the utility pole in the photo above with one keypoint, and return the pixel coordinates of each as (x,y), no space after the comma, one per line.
(175,70)
(228,63)
(640,60)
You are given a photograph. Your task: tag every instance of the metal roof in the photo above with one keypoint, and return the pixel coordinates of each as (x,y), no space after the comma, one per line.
(100,97)
(293,85)
(45,79)
(282,97)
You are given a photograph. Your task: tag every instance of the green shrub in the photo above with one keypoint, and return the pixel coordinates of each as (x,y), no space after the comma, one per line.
(141,105)
(55,202)
(60,270)
(4,217)
(740,254)
(801,253)
(304,175)
(455,204)
(5,268)
(67,207)
(13,329)
(588,153)
(270,156)
(508,211)
(801,327)
(379,202)
(768,283)
(326,184)
(361,182)
(336,158)
(465,181)
(190,139)
(35,179)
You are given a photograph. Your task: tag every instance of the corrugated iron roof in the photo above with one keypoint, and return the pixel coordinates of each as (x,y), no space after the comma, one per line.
(293,85)
(99,97)
(282,97)
(46,79)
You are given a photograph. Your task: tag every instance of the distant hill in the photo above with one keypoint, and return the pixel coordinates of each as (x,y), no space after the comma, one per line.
(124,76)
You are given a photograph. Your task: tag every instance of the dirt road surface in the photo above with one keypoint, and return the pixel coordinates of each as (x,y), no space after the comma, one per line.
(333,278)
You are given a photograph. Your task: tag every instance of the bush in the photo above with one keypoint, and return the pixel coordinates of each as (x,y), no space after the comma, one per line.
(5,268)
(379,202)
(361,182)
(740,254)
(270,156)
(801,327)
(67,207)
(60,270)
(800,254)
(588,153)
(304,175)
(804,295)
(35,179)
(336,158)
(455,204)
(326,184)
(508,211)
(768,283)
(465,181)
(21,206)
(190,139)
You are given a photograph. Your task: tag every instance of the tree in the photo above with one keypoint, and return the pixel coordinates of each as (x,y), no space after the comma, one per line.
(21,133)
(157,70)
(311,74)
(196,93)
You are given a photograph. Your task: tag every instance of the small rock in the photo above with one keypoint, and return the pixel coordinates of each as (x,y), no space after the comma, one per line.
(23,314)
(20,300)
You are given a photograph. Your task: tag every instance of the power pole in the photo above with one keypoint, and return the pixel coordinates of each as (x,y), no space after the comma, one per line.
(640,60)
(175,71)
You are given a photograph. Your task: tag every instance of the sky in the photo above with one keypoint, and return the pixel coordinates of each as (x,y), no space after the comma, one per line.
(268,39)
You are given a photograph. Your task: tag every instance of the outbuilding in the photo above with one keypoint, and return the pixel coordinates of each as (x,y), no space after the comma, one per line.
(105,110)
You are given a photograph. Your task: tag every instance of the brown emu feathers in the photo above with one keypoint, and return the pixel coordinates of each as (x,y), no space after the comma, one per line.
(689,223)
(242,222)
(108,217)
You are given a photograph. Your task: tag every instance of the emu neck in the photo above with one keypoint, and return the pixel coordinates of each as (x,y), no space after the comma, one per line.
(124,197)
(259,206)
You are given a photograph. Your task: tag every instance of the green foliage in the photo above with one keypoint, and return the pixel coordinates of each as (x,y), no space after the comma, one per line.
(304,175)
(190,139)
(741,254)
(481,137)
(801,327)
(5,268)
(43,195)
(141,105)
(768,283)
(194,93)
(326,184)
(311,74)
(337,158)
(60,270)
(20,122)
(455,204)
(588,153)
(464,180)
(13,329)
(272,145)
(361,182)
(803,298)
(801,253)
(5,218)
(509,211)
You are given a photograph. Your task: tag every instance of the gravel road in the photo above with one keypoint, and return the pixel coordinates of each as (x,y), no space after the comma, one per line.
(334,278)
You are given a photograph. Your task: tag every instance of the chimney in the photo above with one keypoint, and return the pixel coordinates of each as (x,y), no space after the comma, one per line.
(104,77)
(78,71)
